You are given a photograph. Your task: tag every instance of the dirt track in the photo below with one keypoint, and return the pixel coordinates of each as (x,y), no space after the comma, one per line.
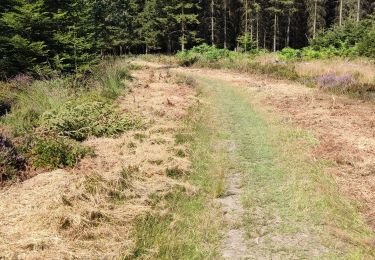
(344,127)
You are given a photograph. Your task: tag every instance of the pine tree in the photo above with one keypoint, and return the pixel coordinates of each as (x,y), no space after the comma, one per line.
(26,23)
(182,12)
(76,37)
(151,24)
(316,16)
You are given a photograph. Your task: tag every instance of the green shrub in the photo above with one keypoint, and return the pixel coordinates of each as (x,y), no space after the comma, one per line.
(187,58)
(366,47)
(204,53)
(290,54)
(11,163)
(57,152)
(246,43)
(79,120)
(342,37)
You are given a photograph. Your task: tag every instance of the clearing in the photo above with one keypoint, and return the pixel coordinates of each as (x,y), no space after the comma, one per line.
(228,165)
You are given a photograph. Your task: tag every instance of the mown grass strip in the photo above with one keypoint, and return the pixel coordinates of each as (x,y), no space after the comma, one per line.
(185,224)
(294,208)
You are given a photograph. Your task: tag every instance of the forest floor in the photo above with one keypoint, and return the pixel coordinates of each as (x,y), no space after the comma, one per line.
(228,165)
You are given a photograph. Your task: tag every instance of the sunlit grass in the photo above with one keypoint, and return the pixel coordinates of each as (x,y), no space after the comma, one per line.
(293,207)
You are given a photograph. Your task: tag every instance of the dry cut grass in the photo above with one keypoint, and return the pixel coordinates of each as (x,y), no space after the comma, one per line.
(88,212)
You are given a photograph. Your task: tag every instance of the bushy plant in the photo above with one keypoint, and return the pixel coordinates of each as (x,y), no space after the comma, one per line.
(314,52)
(11,163)
(187,58)
(79,120)
(56,152)
(345,41)
(340,37)
(290,54)
(332,80)
(6,99)
(246,43)
(31,102)
(204,53)
(366,47)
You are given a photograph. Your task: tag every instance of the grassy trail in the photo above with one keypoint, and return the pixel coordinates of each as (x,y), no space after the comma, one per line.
(293,209)
(260,194)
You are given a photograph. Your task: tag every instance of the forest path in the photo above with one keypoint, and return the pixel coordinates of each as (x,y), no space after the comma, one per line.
(282,138)
(344,127)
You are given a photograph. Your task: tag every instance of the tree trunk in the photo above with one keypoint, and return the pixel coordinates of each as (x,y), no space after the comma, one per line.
(275,33)
(212,22)
(264,39)
(183,30)
(257,31)
(246,17)
(169,45)
(340,12)
(246,24)
(251,29)
(358,10)
(315,18)
(288,31)
(225,24)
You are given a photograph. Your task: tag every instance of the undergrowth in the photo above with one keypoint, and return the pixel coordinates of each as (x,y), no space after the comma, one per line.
(79,121)
(282,65)
(49,118)
(11,163)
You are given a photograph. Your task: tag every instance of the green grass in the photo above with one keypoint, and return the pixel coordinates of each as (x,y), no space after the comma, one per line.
(291,203)
(186,225)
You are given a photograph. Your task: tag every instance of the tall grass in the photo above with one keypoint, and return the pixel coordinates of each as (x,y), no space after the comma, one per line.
(30,103)
(89,98)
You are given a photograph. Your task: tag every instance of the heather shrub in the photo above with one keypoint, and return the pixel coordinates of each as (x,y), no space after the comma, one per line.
(6,99)
(57,152)
(79,120)
(333,81)
(11,163)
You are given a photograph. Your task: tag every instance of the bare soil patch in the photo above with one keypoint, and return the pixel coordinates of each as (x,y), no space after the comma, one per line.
(87,212)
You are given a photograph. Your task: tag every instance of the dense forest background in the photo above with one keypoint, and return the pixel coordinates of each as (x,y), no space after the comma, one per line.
(51,36)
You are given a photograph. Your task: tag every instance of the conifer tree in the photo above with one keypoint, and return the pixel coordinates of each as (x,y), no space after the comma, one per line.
(26,23)
(183,14)
(150,24)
